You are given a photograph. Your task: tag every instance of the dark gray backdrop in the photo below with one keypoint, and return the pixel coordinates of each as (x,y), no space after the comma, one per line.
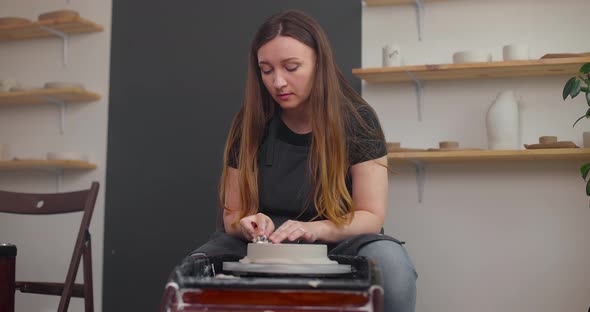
(178,72)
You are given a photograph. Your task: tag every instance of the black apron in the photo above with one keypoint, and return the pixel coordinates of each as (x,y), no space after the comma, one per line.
(285,192)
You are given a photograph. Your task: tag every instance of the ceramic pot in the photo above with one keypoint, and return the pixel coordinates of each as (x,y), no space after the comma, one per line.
(502,122)
(391,56)
(514,52)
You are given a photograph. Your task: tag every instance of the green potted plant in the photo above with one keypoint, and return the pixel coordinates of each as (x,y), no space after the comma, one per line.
(580,84)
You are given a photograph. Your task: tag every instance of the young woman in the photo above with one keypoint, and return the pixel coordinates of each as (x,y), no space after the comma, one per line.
(305,159)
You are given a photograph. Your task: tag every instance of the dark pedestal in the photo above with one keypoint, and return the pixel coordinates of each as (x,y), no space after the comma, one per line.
(198,286)
(7,267)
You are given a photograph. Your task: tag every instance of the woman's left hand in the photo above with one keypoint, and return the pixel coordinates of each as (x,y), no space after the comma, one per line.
(294,230)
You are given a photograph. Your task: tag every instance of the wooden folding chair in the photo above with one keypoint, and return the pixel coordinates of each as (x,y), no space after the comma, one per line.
(57,203)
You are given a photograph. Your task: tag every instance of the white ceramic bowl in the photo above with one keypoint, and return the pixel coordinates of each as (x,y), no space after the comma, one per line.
(471,57)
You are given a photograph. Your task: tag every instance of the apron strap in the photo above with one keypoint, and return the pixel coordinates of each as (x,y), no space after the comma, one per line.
(273,130)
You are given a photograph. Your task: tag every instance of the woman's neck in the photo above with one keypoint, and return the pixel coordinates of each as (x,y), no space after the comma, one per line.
(297,119)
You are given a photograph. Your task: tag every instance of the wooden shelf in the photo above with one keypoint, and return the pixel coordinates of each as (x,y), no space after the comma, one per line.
(41,96)
(45,165)
(392,2)
(491,155)
(542,67)
(72,25)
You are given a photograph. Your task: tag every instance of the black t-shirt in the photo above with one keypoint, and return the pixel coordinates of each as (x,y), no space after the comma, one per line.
(362,143)
(284,189)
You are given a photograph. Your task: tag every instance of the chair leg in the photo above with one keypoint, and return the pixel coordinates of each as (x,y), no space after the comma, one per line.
(88,293)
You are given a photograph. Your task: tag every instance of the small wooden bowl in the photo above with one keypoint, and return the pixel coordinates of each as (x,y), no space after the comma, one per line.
(58,14)
(547,139)
(448,144)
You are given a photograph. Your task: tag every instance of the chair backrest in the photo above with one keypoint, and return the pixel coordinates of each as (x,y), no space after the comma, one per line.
(29,203)
(58,203)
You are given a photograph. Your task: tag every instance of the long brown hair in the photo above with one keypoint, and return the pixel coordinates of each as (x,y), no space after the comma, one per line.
(335,107)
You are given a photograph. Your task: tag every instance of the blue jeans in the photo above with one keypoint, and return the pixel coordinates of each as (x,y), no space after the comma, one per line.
(398,272)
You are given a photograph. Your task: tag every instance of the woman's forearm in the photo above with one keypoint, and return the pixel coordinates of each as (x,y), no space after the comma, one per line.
(363,222)
(230,225)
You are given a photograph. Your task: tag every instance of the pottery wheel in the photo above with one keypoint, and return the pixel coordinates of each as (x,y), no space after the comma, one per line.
(287,268)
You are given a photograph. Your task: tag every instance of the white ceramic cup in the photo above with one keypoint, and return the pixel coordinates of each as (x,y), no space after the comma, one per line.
(515,52)
(586,139)
(471,57)
(391,56)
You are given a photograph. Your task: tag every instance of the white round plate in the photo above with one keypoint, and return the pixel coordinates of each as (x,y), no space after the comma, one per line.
(287,268)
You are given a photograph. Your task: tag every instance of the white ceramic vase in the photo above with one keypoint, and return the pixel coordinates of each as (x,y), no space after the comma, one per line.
(502,122)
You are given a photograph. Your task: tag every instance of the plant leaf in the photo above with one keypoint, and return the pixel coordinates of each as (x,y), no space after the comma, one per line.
(588,98)
(588,188)
(576,88)
(567,89)
(587,115)
(584,170)
(578,120)
(585,69)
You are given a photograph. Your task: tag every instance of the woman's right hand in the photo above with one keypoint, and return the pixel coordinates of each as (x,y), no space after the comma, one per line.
(256,225)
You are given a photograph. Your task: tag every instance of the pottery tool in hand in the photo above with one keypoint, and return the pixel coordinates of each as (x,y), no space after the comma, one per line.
(259,239)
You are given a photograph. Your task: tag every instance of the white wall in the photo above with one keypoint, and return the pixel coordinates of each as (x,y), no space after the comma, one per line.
(488,236)
(33,130)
